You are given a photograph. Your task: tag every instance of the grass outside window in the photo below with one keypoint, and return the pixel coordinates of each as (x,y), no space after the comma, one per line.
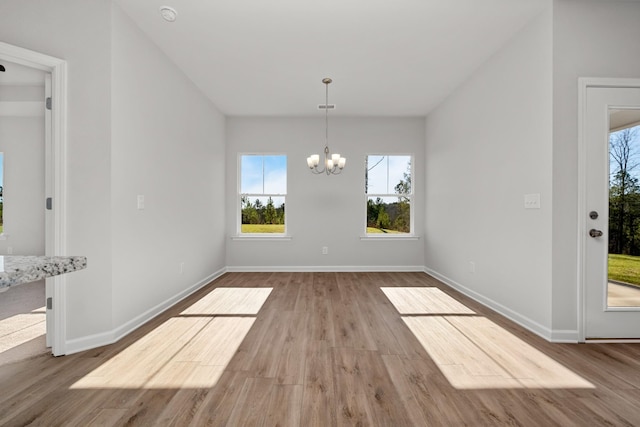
(624,268)
(262,228)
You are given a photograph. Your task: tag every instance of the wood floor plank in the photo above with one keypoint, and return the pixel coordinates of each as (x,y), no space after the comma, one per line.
(318,399)
(350,328)
(285,406)
(217,406)
(291,361)
(352,407)
(252,403)
(328,349)
(320,325)
(384,403)
(402,383)
(266,360)
(439,403)
(216,342)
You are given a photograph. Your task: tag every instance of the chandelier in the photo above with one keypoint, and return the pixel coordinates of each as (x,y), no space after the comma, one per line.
(334,163)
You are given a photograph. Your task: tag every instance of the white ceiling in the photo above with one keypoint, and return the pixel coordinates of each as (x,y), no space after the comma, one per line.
(20,75)
(386,57)
(623,119)
(21,91)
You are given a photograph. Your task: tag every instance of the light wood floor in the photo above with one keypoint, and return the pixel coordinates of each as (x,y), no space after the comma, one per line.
(325,349)
(22,322)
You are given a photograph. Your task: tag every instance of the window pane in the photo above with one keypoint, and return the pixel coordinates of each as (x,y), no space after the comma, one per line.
(376,174)
(275,174)
(251,174)
(262,214)
(388,215)
(263,174)
(399,174)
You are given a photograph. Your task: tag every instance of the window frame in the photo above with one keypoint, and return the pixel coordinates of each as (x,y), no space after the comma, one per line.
(390,236)
(240,195)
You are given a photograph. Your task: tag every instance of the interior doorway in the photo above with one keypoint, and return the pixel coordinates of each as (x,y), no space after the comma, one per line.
(23,129)
(54,178)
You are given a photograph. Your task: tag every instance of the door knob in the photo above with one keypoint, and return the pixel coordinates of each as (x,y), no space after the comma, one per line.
(595,233)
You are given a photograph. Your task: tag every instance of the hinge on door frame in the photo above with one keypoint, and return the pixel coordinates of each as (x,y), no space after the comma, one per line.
(49,203)
(48,103)
(49,303)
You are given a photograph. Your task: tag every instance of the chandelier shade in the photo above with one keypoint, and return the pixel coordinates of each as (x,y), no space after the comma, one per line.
(333,163)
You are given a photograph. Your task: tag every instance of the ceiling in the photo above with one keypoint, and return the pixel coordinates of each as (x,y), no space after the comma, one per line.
(20,75)
(21,91)
(386,57)
(623,119)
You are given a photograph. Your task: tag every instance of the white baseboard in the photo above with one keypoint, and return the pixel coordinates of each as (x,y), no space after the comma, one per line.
(516,317)
(565,336)
(105,338)
(329,268)
(109,337)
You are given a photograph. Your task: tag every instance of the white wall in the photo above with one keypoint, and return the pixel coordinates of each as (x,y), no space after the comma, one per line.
(79,32)
(324,210)
(130,132)
(487,146)
(22,142)
(168,145)
(591,39)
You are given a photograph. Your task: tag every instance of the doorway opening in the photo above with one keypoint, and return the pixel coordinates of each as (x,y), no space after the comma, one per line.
(53,167)
(22,183)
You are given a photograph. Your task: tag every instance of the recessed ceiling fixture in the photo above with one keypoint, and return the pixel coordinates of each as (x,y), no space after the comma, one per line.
(334,163)
(2,68)
(168,13)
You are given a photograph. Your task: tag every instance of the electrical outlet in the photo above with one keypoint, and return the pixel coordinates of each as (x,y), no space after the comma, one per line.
(181,267)
(532,201)
(325,250)
(9,250)
(472,267)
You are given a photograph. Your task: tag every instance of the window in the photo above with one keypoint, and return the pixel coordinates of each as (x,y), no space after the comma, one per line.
(263,189)
(388,192)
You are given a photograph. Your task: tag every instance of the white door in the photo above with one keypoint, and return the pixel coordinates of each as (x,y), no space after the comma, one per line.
(611,299)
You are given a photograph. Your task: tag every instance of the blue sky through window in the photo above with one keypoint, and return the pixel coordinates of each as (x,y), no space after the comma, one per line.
(634,155)
(263,174)
(385,172)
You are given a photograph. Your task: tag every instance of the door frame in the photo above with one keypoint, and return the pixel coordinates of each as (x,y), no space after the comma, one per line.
(585,83)
(55,234)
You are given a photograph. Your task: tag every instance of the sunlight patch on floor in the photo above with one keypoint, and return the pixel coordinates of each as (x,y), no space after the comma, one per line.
(471,351)
(22,335)
(190,350)
(475,353)
(414,300)
(230,301)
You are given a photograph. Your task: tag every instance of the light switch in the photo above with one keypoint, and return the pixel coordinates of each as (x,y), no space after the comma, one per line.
(532,201)
(140,202)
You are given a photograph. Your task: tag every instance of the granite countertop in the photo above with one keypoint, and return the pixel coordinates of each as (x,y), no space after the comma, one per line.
(16,270)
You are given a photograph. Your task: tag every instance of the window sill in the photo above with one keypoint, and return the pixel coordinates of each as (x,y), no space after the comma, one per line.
(264,237)
(390,237)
